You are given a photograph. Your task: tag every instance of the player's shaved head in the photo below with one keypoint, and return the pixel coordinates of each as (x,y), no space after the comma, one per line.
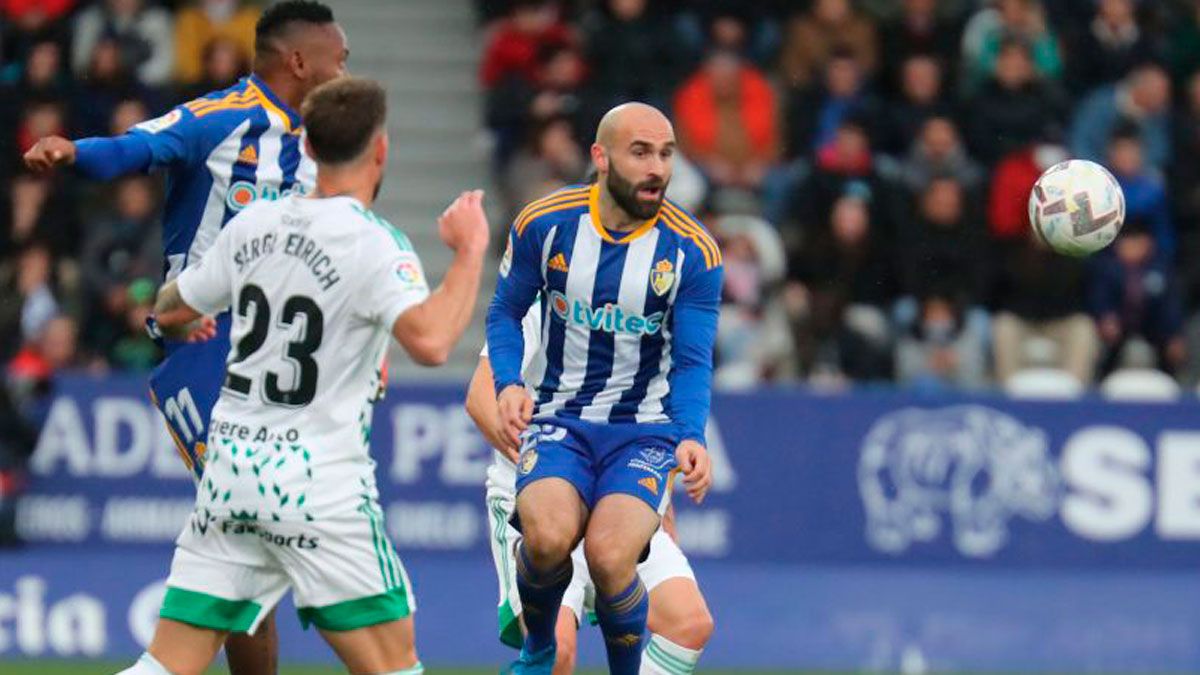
(633,153)
(629,118)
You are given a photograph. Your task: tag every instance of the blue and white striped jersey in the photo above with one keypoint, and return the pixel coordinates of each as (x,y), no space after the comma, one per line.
(628,319)
(222,152)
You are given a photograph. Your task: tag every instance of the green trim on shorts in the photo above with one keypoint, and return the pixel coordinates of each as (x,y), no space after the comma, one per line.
(208,611)
(360,613)
(510,627)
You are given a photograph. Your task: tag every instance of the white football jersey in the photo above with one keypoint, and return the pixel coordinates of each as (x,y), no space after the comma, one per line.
(314,286)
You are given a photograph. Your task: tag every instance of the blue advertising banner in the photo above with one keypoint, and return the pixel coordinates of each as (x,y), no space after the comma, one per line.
(868,531)
(853,478)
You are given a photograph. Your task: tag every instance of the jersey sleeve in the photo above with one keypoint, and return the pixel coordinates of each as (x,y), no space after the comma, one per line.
(519,282)
(207,286)
(694,335)
(176,138)
(395,282)
(531,331)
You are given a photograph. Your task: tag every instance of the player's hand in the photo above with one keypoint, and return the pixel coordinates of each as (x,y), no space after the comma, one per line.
(50,152)
(202,329)
(463,225)
(697,469)
(516,411)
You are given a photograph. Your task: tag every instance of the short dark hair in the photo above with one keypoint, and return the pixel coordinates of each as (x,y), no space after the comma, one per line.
(278,17)
(342,116)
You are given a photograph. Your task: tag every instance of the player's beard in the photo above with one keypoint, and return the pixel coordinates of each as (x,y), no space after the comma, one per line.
(625,194)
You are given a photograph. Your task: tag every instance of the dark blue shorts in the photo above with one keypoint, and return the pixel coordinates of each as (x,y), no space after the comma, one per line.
(601,459)
(185,387)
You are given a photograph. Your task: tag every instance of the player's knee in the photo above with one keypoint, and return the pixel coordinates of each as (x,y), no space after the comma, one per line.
(692,630)
(606,560)
(547,544)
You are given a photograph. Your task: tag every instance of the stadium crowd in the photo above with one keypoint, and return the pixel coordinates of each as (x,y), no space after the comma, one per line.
(80,262)
(866,165)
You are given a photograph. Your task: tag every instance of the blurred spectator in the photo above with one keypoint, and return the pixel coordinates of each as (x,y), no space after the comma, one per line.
(1040,293)
(36,211)
(550,160)
(134,350)
(749,28)
(125,246)
(1012,180)
(842,282)
(24,23)
(939,152)
(753,338)
(516,103)
(845,163)
(142,34)
(942,249)
(1183,41)
(107,84)
(40,77)
(40,117)
(514,45)
(1145,196)
(725,120)
(991,28)
(942,350)
(127,114)
(207,22)
(1111,45)
(1013,108)
(32,292)
(632,52)
(815,115)
(224,63)
(918,31)
(1132,293)
(1184,185)
(921,96)
(1143,98)
(811,38)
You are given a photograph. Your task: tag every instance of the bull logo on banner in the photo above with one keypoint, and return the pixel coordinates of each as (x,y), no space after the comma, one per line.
(970,465)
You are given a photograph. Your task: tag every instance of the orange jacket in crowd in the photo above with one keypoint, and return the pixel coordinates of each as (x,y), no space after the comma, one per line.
(697,118)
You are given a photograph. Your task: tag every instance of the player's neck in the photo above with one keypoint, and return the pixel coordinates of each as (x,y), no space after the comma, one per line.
(335,183)
(283,88)
(612,216)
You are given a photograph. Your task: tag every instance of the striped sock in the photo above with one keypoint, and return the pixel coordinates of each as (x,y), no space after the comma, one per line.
(418,669)
(623,622)
(541,595)
(664,657)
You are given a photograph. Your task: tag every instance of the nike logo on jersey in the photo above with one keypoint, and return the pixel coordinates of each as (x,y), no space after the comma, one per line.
(558,263)
(610,318)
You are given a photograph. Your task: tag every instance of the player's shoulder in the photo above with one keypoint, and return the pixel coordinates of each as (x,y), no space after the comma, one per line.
(692,233)
(555,208)
(381,235)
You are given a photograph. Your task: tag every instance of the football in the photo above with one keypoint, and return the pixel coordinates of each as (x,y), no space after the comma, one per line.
(1076,207)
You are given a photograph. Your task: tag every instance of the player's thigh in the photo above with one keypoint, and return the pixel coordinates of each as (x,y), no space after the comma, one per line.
(344,571)
(254,653)
(555,482)
(379,648)
(184,649)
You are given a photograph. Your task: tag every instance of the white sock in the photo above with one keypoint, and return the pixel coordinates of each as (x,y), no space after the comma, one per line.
(663,657)
(415,670)
(146,665)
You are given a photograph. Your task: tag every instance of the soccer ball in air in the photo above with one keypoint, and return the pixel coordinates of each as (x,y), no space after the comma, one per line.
(1077,207)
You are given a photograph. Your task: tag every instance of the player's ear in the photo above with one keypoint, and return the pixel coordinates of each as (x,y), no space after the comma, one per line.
(381,148)
(599,158)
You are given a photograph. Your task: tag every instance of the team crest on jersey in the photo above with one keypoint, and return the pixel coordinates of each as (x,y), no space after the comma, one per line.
(528,460)
(160,123)
(662,277)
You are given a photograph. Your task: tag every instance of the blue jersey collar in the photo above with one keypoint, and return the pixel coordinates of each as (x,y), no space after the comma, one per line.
(293,117)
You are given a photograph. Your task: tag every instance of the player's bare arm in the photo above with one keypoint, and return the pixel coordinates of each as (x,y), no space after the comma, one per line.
(429,331)
(481,406)
(177,320)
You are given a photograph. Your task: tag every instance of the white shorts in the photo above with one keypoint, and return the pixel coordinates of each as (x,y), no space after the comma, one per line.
(228,574)
(665,561)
